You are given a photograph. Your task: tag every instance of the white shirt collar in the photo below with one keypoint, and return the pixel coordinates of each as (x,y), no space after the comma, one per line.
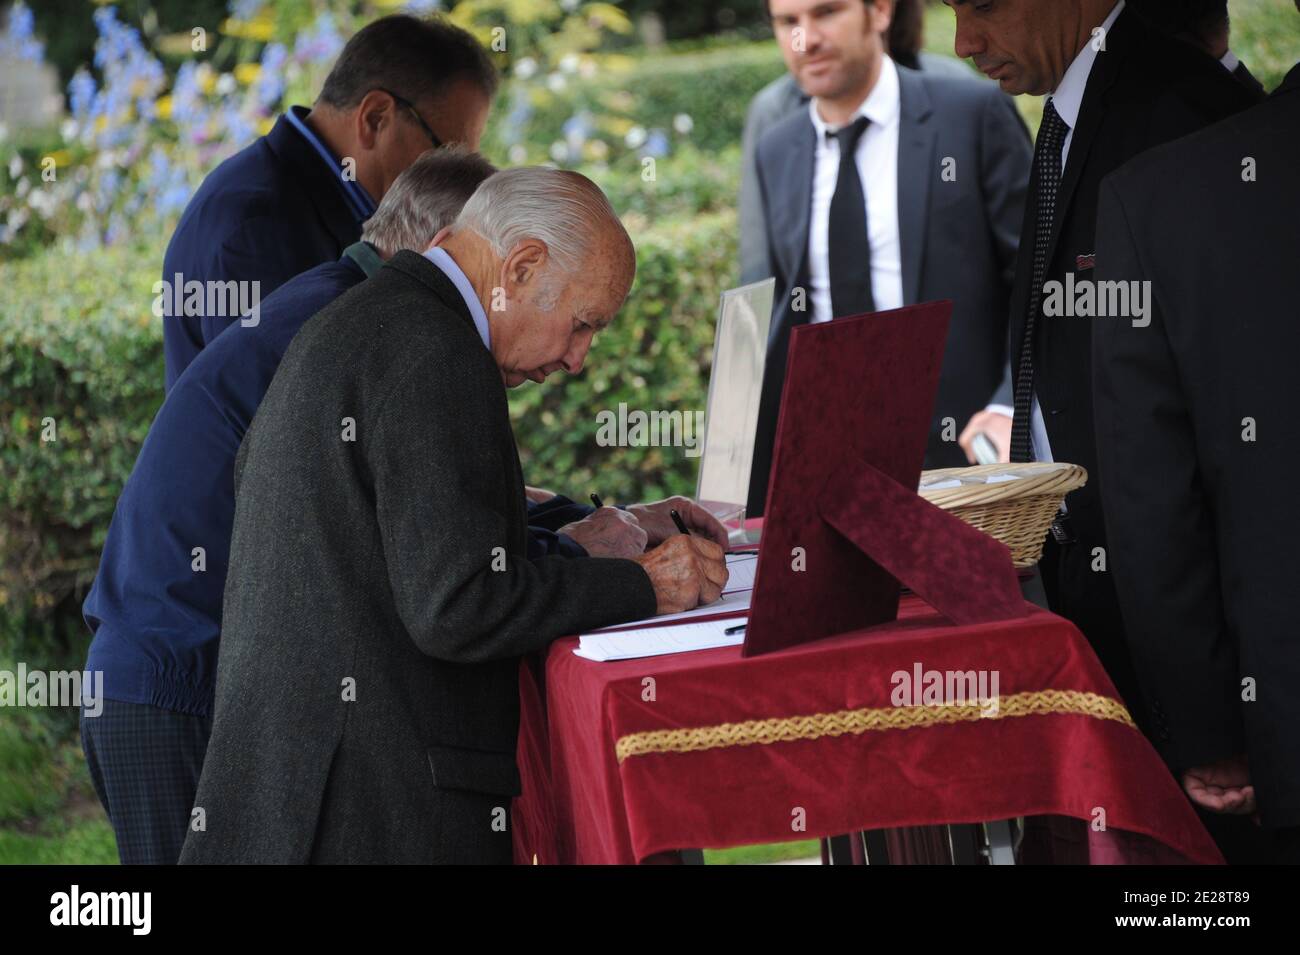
(442,258)
(1067,98)
(1230,61)
(880,106)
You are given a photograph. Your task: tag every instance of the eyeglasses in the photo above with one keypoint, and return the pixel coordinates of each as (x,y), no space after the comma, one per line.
(403,101)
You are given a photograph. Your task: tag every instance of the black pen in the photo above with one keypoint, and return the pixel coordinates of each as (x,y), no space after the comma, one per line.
(595,499)
(732,631)
(681,524)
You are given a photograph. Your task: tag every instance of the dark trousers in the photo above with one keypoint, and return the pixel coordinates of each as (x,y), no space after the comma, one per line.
(145,763)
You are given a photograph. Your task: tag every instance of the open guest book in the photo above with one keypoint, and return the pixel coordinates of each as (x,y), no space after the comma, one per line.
(700,629)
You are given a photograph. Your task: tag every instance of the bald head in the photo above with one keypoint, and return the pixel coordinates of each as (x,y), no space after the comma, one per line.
(558,262)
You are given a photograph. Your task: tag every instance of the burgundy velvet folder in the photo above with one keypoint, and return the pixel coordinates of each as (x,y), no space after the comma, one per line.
(844,526)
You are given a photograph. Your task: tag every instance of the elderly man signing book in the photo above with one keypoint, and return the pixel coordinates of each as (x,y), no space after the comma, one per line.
(380,593)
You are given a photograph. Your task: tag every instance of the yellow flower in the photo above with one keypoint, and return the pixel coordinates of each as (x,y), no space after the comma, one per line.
(248,73)
(261,27)
(164,107)
(265,125)
(61,157)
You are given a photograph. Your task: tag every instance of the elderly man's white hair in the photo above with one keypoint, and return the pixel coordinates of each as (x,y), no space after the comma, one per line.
(426,197)
(563,209)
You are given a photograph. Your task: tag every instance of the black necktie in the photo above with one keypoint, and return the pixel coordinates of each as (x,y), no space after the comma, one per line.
(849,252)
(1047,173)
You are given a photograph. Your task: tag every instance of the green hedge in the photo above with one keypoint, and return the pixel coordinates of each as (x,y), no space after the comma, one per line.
(79,345)
(713,87)
(78,348)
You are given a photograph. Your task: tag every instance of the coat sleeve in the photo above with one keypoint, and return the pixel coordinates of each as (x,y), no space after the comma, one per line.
(446,508)
(1158,519)
(752,218)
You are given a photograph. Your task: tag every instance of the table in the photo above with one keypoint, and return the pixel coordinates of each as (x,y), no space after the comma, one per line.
(627,760)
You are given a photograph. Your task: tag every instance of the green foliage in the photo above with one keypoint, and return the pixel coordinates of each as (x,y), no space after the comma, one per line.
(685,183)
(1266,35)
(61,842)
(41,764)
(80,349)
(630,97)
(655,356)
(81,363)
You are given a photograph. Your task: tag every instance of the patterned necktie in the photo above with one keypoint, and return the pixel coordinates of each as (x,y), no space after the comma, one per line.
(1047,173)
(849,246)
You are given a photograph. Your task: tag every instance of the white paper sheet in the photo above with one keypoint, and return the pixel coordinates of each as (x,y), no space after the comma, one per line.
(727,603)
(658,641)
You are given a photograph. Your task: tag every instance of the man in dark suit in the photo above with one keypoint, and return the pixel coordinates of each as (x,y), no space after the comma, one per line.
(380,595)
(781,97)
(1197,438)
(296,198)
(1205,25)
(1116,88)
(891,187)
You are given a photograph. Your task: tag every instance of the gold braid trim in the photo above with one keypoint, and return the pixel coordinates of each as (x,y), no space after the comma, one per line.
(816,725)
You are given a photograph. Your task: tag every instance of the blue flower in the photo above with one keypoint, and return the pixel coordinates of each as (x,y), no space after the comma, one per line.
(320,43)
(246,9)
(81,93)
(270,84)
(656,144)
(19,37)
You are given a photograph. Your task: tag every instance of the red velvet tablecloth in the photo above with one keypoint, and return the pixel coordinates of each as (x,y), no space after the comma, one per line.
(627,759)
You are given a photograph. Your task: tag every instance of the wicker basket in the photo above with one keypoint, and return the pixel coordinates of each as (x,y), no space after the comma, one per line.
(1018,513)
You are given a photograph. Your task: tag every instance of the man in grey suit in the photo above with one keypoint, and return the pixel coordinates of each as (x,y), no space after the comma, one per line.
(928,207)
(781,97)
(380,595)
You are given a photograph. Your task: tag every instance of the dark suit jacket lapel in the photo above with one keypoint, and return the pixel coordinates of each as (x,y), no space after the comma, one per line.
(916,142)
(1105,69)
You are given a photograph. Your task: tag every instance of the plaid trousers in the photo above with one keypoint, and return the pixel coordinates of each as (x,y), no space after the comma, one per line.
(145,763)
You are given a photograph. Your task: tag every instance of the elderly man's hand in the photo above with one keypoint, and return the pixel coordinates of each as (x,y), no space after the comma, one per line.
(1222,787)
(686,572)
(657,520)
(608,532)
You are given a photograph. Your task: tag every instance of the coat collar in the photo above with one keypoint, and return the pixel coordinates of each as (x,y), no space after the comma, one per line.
(429,275)
(323,189)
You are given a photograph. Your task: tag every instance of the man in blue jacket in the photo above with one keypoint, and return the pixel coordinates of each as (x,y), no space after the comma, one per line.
(297,197)
(155,605)
(155,608)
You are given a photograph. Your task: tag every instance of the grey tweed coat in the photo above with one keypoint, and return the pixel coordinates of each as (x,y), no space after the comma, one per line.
(379,597)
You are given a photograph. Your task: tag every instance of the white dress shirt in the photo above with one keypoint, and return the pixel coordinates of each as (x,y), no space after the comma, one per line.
(442,258)
(1067,98)
(877,159)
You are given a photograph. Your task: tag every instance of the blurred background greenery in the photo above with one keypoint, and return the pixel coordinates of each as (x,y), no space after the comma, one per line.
(133,116)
